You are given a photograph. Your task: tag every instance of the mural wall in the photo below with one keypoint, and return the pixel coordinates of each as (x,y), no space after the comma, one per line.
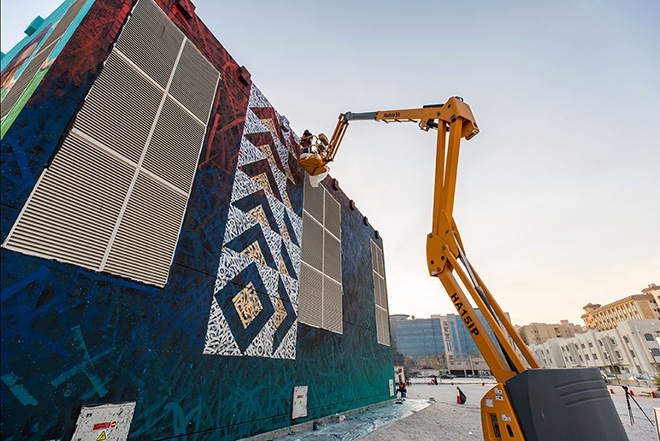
(25,65)
(216,353)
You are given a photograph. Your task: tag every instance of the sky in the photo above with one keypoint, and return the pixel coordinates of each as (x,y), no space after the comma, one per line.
(558,197)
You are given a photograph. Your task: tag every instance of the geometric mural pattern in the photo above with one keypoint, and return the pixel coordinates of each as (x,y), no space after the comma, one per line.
(254,307)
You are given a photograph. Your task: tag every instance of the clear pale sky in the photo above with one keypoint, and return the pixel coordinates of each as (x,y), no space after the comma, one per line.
(558,197)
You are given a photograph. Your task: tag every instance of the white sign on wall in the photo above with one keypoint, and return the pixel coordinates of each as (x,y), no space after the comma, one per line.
(299,402)
(107,422)
(391,387)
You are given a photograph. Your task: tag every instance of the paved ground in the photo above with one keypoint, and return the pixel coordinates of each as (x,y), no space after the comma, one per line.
(446,420)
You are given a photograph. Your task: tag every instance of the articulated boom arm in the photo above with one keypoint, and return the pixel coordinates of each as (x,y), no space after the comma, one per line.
(445,252)
(525,404)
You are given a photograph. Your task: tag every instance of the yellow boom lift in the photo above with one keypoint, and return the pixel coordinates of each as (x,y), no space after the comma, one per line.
(527,403)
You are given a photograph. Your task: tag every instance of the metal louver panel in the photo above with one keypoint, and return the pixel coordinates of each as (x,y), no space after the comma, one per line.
(382,327)
(147,236)
(64,23)
(310,300)
(194,82)
(22,82)
(379,327)
(381,268)
(72,211)
(120,109)
(332,215)
(174,148)
(332,257)
(380,296)
(332,306)
(312,242)
(151,41)
(313,200)
(378,288)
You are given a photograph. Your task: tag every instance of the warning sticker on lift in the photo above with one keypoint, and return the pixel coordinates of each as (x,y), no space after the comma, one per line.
(101,436)
(489,402)
(506,417)
(499,398)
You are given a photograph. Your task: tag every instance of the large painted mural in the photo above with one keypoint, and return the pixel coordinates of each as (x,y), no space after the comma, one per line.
(26,64)
(255,299)
(216,353)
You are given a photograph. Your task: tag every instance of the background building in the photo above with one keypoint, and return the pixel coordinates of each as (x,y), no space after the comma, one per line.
(654,290)
(537,333)
(630,349)
(441,343)
(161,246)
(634,307)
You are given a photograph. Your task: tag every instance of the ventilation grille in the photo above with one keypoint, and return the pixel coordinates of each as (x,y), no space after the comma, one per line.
(313,200)
(120,109)
(321,260)
(72,215)
(312,248)
(310,301)
(380,295)
(116,193)
(332,306)
(331,256)
(145,242)
(193,84)
(332,215)
(175,146)
(382,327)
(151,41)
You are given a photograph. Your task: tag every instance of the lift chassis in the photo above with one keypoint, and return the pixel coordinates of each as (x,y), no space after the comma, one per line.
(527,403)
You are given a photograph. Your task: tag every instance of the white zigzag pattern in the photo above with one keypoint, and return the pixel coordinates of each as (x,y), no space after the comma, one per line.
(248,153)
(219,339)
(253,124)
(237,223)
(243,186)
(257,98)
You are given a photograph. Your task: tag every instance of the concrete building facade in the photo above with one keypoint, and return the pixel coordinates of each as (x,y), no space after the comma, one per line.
(654,290)
(537,333)
(162,249)
(630,349)
(634,307)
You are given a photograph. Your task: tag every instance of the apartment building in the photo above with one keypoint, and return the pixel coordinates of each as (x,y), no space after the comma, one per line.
(537,333)
(632,347)
(634,307)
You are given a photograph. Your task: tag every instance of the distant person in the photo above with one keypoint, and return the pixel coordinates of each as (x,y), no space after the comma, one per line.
(306,142)
(402,389)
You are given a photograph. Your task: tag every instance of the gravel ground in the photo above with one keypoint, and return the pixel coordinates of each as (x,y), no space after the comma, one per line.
(446,420)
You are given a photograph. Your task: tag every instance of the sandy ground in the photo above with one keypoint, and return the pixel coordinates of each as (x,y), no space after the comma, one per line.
(446,420)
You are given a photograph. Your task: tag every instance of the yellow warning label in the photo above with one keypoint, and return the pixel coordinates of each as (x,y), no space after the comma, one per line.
(101,436)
